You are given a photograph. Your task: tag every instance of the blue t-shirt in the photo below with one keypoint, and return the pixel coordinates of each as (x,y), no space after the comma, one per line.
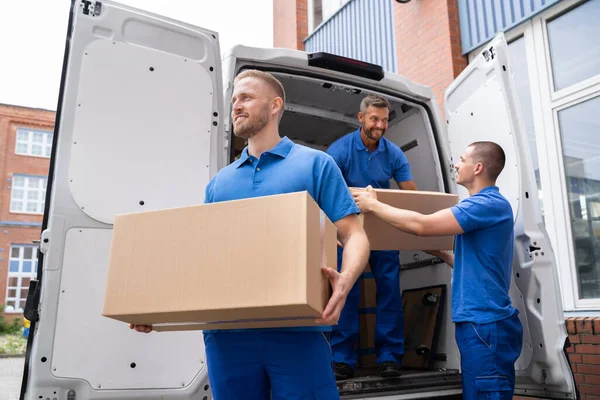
(483,258)
(286,168)
(361,167)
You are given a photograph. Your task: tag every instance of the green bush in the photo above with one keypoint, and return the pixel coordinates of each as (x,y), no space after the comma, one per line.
(6,327)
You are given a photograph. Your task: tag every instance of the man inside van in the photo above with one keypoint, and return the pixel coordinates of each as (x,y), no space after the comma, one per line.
(286,363)
(488,331)
(365,158)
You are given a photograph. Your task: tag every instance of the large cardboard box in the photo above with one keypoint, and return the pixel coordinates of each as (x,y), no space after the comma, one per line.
(383,236)
(240,264)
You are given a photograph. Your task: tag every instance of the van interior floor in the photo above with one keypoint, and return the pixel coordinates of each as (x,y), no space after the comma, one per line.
(368,381)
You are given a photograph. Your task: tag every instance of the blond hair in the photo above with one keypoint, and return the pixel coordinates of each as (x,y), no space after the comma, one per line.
(265,77)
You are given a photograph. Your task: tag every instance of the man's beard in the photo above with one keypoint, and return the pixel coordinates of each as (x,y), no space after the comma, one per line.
(370,135)
(252,125)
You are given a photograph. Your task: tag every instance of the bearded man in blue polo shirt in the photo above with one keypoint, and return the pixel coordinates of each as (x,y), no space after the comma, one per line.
(286,363)
(366,158)
(488,331)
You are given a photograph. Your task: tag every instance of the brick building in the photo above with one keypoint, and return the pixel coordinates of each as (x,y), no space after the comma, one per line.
(556,66)
(25,147)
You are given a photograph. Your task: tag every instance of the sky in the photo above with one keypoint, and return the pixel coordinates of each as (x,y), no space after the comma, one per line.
(33,32)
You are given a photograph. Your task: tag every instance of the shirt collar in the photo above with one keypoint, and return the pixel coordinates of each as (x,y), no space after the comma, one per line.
(361,146)
(281,149)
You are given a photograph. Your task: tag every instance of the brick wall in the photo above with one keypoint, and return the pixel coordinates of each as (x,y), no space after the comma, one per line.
(584,355)
(290,23)
(428,43)
(11,118)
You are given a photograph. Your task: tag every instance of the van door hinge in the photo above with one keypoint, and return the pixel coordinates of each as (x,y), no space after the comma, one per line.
(489,54)
(93,8)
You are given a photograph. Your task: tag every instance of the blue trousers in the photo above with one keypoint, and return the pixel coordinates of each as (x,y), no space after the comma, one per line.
(389,328)
(258,364)
(488,353)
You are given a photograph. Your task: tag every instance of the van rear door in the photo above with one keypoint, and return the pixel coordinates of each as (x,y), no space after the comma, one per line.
(482,104)
(138,127)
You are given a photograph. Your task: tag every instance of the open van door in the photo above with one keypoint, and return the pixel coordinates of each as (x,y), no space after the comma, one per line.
(482,104)
(138,128)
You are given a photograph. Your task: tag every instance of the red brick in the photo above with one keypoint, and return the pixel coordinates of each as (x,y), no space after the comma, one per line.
(591,397)
(574,339)
(580,324)
(575,358)
(587,349)
(591,339)
(579,378)
(588,369)
(597,326)
(593,379)
(589,389)
(587,359)
(588,326)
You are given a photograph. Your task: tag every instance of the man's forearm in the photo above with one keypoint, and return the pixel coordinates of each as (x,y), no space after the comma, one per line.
(446,257)
(404,220)
(355,257)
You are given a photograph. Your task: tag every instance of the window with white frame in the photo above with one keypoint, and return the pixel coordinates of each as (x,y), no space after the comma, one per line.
(22,268)
(31,142)
(28,194)
(556,63)
(321,10)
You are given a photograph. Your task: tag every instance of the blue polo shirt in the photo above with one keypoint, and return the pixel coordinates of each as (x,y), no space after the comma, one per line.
(362,167)
(483,258)
(286,168)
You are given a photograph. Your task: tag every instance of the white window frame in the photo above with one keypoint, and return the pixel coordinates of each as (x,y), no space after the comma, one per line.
(40,201)
(20,274)
(47,137)
(546,105)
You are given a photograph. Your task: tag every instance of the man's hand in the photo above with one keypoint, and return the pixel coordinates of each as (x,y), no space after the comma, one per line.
(365,199)
(141,328)
(339,284)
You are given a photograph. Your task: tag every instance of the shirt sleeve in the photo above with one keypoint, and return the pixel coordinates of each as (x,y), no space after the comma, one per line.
(476,212)
(209,192)
(336,151)
(401,167)
(332,193)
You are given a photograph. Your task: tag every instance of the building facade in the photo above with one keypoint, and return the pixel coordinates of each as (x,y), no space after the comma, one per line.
(25,146)
(556,64)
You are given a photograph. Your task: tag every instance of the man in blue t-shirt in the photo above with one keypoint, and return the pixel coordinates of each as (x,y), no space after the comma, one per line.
(286,363)
(365,158)
(488,331)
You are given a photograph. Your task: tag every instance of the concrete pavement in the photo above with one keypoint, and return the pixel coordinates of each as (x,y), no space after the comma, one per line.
(11,374)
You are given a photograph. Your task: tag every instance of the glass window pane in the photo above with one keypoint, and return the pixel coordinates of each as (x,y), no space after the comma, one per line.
(17,194)
(26,266)
(22,136)
(33,183)
(13,281)
(10,305)
(11,293)
(23,296)
(48,151)
(38,137)
(28,253)
(518,57)
(14,266)
(18,181)
(25,282)
(32,206)
(36,149)
(32,195)
(16,206)
(15,252)
(574,49)
(21,148)
(579,127)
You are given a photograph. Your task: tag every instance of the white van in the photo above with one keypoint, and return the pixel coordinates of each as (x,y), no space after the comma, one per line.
(143,123)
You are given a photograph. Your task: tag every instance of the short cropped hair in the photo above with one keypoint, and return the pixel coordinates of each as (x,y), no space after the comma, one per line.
(491,155)
(374,100)
(266,77)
